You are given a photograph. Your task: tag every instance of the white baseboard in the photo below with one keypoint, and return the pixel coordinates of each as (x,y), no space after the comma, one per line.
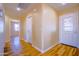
(37,48)
(50,48)
(43,51)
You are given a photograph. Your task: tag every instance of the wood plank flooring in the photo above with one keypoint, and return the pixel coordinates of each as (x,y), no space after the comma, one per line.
(26,49)
(62,50)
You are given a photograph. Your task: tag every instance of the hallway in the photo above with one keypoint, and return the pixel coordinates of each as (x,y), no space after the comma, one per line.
(26,49)
(41,29)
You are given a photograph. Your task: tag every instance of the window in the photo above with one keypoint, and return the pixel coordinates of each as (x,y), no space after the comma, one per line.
(16,27)
(1,26)
(1,13)
(68,25)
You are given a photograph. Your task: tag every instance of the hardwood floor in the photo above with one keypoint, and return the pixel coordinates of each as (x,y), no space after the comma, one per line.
(62,50)
(26,49)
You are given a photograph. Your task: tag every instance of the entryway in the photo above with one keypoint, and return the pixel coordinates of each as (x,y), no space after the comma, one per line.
(28,29)
(15,36)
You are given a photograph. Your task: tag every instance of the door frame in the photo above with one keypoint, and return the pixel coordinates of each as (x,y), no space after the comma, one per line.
(27,40)
(10,27)
(73,15)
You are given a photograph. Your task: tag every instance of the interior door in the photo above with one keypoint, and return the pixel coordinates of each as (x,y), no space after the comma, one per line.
(15,35)
(29,29)
(68,31)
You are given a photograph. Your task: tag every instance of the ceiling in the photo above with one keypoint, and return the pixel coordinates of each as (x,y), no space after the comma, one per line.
(62,6)
(10,8)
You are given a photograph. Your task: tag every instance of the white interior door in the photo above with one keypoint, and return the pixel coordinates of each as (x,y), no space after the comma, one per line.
(2,36)
(15,35)
(29,29)
(68,29)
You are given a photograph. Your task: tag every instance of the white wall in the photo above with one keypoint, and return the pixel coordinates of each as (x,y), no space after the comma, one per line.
(49,28)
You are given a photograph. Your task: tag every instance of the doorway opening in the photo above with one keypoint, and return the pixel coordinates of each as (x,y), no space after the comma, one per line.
(15,36)
(28,29)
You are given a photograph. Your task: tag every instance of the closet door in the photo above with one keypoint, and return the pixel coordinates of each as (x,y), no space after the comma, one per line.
(68,29)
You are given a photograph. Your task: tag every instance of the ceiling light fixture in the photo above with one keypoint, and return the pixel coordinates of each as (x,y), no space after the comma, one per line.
(18,8)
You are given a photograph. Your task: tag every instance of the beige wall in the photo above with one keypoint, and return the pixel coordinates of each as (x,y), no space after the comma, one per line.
(49,27)
(36,26)
(7,22)
(69,10)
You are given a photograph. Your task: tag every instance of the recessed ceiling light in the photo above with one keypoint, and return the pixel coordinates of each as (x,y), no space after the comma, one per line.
(18,9)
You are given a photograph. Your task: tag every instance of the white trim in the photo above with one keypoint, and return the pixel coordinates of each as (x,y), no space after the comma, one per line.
(42,41)
(25,40)
(43,51)
(37,48)
(50,48)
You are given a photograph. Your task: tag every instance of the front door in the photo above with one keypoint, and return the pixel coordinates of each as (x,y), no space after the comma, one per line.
(15,36)
(68,29)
